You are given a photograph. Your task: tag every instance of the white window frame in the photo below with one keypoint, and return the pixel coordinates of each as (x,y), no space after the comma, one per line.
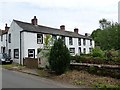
(40,39)
(70,41)
(72,50)
(16,53)
(33,53)
(79,41)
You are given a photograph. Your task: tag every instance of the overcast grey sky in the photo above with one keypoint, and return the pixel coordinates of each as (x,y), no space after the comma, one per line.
(82,14)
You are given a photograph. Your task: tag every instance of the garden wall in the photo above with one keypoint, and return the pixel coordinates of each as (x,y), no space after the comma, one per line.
(104,70)
(30,62)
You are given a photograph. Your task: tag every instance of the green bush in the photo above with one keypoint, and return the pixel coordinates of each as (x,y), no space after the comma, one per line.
(76,58)
(97,52)
(59,59)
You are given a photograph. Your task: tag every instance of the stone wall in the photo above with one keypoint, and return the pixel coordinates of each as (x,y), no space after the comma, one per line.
(30,62)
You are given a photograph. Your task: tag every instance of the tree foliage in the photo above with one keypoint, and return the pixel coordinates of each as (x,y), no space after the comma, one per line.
(59,59)
(97,52)
(108,37)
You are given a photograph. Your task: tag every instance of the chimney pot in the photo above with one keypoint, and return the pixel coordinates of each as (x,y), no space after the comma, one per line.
(76,30)
(87,34)
(62,27)
(34,21)
(6,27)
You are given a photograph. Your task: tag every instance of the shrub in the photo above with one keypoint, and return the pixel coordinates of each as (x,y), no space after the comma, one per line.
(97,52)
(76,58)
(111,53)
(59,59)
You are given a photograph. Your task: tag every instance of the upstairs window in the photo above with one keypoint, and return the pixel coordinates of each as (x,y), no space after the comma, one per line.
(70,41)
(84,42)
(90,42)
(9,36)
(54,37)
(79,41)
(39,39)
(16,53)
(1,37)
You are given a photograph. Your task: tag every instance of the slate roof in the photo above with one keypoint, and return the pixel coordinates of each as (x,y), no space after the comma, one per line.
(47,30)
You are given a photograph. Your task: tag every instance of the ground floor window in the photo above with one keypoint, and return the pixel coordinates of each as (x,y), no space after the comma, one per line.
(90,50)
(79,50)
(31,53)
(72,50)
(84,50)
(9,52)
(16,53)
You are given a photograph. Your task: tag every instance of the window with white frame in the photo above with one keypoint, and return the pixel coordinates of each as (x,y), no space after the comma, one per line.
(79,41)
(90,42)
(70,41)
(39,39)
(9,36)
(72,50)
(1,37)
(84,50)
(16,53)
(90,50)
(31,53)
(79,49)
(9,52)
(54,37)
(84,41)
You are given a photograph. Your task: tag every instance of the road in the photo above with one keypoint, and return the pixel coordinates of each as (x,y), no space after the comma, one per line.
(14,79)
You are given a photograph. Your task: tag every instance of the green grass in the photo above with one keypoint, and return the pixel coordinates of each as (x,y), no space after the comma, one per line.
(105,86)
(9,66)
(43,73)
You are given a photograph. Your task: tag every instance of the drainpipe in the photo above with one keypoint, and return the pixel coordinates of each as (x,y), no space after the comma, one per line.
(20,48)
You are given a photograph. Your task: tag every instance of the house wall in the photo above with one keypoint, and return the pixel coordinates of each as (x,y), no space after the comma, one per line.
(0,43)
(29,41)
(76,46)
(15,40)
(3,43)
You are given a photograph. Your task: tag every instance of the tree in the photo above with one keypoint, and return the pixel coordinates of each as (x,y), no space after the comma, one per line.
(104,23)
(48,41)
(108,37)
(59,59)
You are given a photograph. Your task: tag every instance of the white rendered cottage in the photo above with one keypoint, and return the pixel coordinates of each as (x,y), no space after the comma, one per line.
(25,38)
(3,40)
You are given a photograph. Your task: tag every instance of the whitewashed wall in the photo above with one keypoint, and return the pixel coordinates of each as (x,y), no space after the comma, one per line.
(15,40)
(3,43)
(0,43)
(30,42)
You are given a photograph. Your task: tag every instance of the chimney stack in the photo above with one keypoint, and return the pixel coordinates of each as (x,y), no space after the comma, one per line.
(87,34)
(34,21)
(62,27)
(6,27)
(76,30)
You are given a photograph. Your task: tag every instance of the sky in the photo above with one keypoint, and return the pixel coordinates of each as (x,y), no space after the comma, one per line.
(81,14)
